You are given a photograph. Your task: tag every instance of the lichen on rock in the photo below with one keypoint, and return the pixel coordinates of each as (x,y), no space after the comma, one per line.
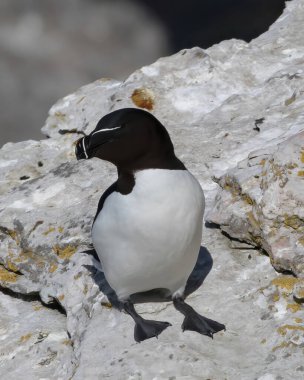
(211,103)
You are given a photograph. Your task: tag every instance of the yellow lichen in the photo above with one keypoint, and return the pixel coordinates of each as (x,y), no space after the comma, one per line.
(108,305)
(37,307)
(301,240)
(281,345)
(298,320)
(292,165)
(285,282)
(67,342)
(11,266)
(302,155)
(66,252)
(13,234)
(27,255)
(253,221)
(263,341)
(301,173)
(247,199)
(61,116)
(293,221)
(293,307)
(7,276)
(282,330)
(276,297)
(53,268)
(51,229)
(60,229)
(25,338)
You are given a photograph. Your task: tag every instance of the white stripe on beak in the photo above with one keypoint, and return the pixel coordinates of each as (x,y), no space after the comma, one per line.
(84,149)
(106,129)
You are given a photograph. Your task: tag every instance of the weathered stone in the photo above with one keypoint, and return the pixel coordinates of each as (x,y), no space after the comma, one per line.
(298,292)
(262,203)
(210,101)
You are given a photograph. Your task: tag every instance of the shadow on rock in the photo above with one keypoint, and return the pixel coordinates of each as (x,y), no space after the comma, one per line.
(200,272)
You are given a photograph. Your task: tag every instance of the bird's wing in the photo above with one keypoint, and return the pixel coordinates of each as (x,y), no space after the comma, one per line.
(104,196)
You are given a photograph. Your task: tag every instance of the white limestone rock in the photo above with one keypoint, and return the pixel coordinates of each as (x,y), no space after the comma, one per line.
(34,341)
(262,203)
(210,102)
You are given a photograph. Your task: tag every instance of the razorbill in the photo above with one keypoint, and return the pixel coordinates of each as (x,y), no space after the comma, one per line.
(148,226)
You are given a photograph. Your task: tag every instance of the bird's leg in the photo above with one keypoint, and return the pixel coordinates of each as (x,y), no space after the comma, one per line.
(196,322)
(144,328)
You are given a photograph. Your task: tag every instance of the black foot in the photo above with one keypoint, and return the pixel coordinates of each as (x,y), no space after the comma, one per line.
(144,328)
(202,325)
(196,322)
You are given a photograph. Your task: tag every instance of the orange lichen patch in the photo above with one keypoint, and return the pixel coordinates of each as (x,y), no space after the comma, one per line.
(51,229)
(25,338)
(263,341)
(66,252)
(7,276)
(143,98)
(285,282)
(293,307)
(53,268)
(301,173)
(282,330)
(60,229)
(61,297)
(77,276)
(298,320)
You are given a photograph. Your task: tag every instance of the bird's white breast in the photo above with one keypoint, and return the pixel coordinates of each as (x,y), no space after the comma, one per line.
(150,238)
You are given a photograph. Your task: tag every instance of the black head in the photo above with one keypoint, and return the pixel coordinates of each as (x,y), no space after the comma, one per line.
(130,138)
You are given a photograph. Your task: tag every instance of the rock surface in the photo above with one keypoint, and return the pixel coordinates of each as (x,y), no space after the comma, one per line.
(242,98)
(262,203)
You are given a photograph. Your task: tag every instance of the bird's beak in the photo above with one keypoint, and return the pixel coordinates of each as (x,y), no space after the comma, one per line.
(81,149)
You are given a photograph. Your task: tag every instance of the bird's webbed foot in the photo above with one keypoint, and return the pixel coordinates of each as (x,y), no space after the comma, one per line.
(196,322)
(144,328)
